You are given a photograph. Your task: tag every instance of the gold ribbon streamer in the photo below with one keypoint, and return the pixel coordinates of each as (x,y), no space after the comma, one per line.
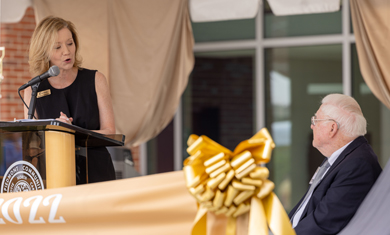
(200,221)
(234,183)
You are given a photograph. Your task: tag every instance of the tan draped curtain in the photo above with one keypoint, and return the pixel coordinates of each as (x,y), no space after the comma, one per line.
(145,49)
(371,24)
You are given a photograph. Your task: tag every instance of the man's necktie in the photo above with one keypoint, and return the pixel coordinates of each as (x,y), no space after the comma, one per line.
(317,178)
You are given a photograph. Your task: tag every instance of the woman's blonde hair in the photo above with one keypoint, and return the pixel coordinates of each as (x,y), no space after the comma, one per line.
(43,40)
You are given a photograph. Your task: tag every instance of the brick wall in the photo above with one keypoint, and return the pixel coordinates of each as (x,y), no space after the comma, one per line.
(15,38)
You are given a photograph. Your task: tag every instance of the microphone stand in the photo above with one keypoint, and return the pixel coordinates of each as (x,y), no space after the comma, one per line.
(31,109)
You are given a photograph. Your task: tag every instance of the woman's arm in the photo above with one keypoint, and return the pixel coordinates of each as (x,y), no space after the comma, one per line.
(106,113)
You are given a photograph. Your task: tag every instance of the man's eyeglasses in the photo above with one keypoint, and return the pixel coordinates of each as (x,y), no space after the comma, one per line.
(314,120)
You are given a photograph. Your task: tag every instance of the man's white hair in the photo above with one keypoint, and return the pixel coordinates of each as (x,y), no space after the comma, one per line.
(347,112)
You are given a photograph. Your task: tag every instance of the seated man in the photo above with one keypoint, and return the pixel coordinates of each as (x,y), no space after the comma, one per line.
(349,170)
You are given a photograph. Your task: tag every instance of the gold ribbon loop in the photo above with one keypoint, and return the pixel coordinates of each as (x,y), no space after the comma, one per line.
(260,146)
(207,146)
(215,159)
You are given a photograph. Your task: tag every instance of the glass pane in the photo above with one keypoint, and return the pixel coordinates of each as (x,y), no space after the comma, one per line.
(160,151)
(296,79)
(377,115)
(301,25)
(219,99)
(224,30)
(22,161)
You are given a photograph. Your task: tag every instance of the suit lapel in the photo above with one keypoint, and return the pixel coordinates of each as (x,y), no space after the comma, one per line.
(355,143)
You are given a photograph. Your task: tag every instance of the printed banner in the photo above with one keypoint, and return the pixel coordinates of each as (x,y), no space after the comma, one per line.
(155,204)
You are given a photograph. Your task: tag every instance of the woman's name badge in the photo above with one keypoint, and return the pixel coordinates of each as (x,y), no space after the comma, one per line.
(314,176)
(43,93)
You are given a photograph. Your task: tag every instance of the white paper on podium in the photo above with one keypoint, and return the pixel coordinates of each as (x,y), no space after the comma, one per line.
(34,120)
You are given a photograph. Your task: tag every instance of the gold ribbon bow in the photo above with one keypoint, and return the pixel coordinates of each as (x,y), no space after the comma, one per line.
(233,183)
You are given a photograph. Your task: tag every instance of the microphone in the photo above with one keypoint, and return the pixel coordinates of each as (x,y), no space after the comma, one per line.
(53,71)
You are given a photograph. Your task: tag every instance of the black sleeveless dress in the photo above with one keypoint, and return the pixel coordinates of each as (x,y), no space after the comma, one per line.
(79,101)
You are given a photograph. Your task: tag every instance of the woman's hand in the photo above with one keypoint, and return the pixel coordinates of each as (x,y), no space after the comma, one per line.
(64,118)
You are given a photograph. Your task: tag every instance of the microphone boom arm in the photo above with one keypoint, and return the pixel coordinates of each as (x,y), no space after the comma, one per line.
(31,109)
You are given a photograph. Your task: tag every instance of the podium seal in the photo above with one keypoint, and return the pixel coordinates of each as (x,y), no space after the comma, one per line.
(21,176)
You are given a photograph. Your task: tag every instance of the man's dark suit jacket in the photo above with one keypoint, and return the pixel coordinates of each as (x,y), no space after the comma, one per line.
(337,197)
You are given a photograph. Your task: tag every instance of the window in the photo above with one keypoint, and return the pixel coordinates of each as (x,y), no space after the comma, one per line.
(218,101)
(296,79)
(224,30)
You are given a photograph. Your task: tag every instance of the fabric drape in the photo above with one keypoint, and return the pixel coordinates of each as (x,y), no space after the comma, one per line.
(371,24)
(372,215)
(151,47)
(145,50)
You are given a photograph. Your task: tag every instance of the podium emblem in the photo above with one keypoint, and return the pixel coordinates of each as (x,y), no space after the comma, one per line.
(21,176)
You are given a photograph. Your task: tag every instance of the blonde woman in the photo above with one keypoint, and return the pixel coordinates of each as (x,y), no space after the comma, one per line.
(76,96)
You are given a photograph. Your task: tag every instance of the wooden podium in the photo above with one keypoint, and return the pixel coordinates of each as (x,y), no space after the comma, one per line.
(41,154)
